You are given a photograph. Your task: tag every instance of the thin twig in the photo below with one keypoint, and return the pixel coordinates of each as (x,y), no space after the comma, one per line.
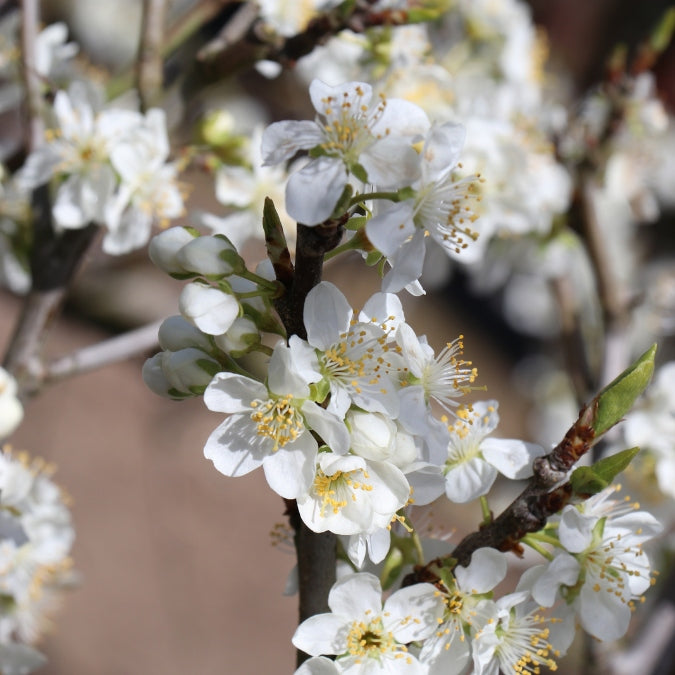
(115,349)
(150,71)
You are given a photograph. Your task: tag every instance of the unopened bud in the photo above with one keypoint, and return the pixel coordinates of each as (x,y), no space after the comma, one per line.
(189,370)
(210,256)
(208,308)
(164,247)
(240,338)
(177,333)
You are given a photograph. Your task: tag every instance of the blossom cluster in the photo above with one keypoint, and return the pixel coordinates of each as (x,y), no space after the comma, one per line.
(109,166)
(35,543)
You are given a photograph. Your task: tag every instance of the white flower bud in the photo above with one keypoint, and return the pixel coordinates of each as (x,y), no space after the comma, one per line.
(208,308)
(372,434)
(11,410)
(154,377)
(239,339)
(177,333)
(164,248)
(189,370)
(210,256)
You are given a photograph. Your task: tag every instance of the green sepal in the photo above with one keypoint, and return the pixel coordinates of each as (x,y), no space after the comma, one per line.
(178,395)
(356,223)
(589,480)
(373,258)
(359,172)
(317,151)
(617,398)
(406,193)
(182,276)
(445,574)
(318,391)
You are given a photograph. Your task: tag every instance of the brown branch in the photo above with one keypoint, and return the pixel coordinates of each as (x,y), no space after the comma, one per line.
(149,69)
(257,43)
(316,552)
(542,497)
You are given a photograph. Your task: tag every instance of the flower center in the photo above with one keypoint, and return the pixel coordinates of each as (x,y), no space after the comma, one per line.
(336,491)
(370,639)
(277,419)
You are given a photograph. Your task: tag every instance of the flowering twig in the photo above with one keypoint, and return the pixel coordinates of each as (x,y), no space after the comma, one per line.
(150,62)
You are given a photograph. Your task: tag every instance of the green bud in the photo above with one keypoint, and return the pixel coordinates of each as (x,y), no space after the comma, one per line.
(617,398)
(589,480)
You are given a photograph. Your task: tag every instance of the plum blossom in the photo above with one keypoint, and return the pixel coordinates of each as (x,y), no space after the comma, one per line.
(448,651)
(474,460)
(602,568)
(366,636)
(516,638)
(269,426)
(352,495)
(441,207)
(36,536)
(351,134)
(352,355)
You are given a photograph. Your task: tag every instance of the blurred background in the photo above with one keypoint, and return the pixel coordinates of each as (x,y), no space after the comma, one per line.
(177,569)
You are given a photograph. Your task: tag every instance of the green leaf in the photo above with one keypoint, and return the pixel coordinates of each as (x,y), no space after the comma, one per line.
(589,480)
(617,398)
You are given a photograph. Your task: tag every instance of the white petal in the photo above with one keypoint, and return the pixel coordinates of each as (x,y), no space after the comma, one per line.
(290,470)
(486,569)
(391,163)
(283,378)
(575,531)
(313,192)
(234,447)
(327,315)
(422,602)
(320,634)
(388,230)
(603,615)
(282,140)
(355,595)
(331,429)
(442,149)
(563,569)
(513,458)
(469,480)
(211,310)
(233,393)
(407,264)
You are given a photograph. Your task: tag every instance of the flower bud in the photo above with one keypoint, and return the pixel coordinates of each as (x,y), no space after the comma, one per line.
(189,370)
(176,333)
(372,435)
(210,256)
(208,308)
(155,379)
(239,339)
(164,247)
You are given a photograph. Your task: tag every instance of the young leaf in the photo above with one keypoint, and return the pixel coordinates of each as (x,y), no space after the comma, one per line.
(617,398)
(589,480)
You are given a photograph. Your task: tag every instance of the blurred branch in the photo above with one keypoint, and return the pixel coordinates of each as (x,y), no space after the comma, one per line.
(150,71)
(223,55)
(572,339)
(30,27)
(104,353)
(54,260)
